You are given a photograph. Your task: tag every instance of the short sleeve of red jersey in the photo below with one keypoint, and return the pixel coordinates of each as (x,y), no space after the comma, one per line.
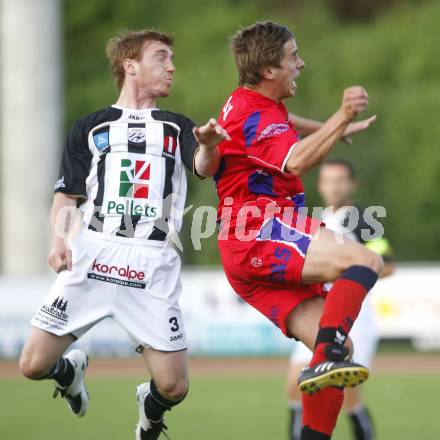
(269,138)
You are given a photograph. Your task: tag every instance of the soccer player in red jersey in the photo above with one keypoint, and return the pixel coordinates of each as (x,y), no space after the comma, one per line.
(275,257)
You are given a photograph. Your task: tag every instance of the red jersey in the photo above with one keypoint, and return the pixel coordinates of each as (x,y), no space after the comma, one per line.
(252,168)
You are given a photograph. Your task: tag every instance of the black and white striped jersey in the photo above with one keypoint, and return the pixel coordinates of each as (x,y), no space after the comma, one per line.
(127,166)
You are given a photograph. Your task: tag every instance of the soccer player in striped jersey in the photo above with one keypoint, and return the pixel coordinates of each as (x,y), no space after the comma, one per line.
(123,166)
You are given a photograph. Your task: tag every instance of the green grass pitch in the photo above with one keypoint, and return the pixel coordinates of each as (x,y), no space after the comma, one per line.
(404,407)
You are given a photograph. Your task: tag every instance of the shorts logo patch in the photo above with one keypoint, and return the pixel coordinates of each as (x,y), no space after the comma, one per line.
(176,337)
(124,276)
(278,269)
(54,315)
(256,262)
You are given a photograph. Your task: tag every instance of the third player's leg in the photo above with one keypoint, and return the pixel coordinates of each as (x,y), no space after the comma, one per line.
(41,352)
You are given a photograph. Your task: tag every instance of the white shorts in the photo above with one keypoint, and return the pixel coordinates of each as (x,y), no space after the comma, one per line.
(135,282)
(363,334)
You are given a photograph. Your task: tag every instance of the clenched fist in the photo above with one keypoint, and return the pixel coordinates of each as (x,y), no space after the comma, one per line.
(60,257)
(354,101)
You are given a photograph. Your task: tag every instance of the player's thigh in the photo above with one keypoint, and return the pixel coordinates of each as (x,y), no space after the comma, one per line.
(303,322)
(329,254)
(169,370)
(42,350)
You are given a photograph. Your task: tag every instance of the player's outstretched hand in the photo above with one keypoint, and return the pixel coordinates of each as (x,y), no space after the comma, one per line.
(60,257)
(354,101)
(210,134)
(356,127)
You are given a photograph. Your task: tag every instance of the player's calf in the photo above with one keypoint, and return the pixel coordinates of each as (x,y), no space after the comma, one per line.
(152,406)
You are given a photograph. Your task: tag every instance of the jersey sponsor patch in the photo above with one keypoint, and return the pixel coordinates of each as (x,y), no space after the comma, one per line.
(134,180)
(101,140)
(110,273)
(136,134)
(272,130)
(134,186)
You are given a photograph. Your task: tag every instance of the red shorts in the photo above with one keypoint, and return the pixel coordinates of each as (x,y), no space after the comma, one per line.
(266,272)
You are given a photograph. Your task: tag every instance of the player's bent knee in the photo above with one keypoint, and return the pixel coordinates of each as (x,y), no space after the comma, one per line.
(367,258)
(173,389)
(33,368)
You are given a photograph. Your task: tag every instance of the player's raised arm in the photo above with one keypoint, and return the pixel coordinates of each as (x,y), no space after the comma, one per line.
(306,126)
(314,148)
(207,158)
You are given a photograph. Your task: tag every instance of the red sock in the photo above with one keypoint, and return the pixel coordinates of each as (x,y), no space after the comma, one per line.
(321,410)
(341,308)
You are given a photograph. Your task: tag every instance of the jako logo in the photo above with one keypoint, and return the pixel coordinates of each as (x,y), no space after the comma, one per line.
(136,117)
(134,178)
(124,272)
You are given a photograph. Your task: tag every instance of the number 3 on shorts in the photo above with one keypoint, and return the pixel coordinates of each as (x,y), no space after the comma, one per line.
(175,326)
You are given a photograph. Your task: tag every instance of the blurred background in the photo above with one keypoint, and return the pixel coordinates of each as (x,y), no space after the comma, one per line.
(53,70)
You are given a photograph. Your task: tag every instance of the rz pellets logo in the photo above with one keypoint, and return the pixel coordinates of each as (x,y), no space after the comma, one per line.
(134,178)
